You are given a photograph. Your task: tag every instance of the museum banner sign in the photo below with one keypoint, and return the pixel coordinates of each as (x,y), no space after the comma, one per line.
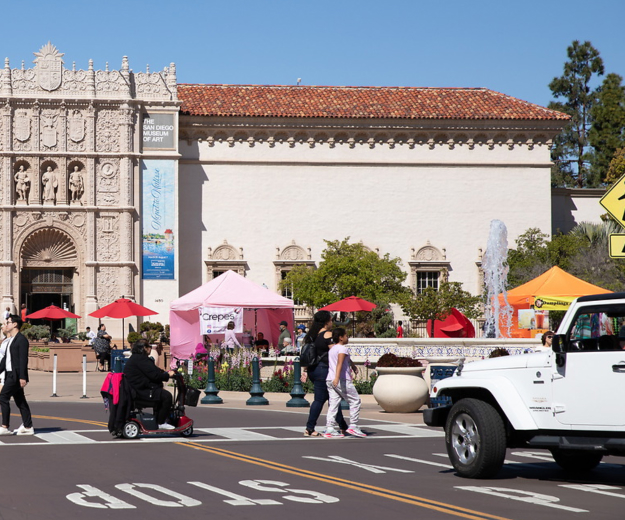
(158,131)
(158,219)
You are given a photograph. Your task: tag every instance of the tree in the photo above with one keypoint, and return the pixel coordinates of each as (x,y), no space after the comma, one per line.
(617,167)
(348,270)
(534,255)
(607,132)
(570,152)
(436,305)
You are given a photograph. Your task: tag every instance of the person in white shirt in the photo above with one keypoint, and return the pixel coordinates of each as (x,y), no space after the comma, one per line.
(90,335)
(7,313)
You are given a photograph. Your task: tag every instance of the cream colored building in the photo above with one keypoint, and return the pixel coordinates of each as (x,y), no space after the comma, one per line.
(263,175)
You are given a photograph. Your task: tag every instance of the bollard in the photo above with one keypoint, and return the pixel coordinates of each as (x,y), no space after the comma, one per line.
(211,389)
(256,391)
(297,392)
(84,377)
(54,378)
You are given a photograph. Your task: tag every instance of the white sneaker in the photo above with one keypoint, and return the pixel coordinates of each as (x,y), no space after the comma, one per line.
(22,430)
(5,431)
(166,427)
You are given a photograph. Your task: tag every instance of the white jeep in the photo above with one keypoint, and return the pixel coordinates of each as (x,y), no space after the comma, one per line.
(568,400)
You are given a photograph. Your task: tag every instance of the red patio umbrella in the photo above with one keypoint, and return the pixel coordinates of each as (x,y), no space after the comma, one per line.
(350,304)
(52,313)
(122,308)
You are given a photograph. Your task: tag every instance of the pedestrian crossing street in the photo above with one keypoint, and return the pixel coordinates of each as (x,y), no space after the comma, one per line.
(51,437)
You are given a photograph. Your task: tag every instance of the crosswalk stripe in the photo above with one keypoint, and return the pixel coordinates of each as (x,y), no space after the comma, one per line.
(64,437)
(236,434)
(412,431)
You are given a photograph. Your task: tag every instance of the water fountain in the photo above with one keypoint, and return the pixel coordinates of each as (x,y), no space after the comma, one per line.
(498,316)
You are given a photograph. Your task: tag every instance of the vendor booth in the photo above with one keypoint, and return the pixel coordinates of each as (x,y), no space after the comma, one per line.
(229,297)
(555,289)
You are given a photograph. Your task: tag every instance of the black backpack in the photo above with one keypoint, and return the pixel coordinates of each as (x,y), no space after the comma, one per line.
(308,355)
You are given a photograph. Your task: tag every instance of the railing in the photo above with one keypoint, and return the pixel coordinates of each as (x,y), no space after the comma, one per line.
(469,348)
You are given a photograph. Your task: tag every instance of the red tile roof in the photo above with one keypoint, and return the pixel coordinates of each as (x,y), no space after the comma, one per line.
(357,102)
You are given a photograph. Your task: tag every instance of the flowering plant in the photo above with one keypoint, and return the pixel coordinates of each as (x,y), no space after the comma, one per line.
(391,360)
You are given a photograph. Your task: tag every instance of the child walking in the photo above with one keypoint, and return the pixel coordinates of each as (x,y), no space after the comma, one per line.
(340,386)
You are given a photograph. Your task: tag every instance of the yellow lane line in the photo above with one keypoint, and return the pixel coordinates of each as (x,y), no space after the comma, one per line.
(357,486)
(84,421)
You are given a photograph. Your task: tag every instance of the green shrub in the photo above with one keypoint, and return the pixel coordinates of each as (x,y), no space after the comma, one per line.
(133,337)
(37,332)
(66,334)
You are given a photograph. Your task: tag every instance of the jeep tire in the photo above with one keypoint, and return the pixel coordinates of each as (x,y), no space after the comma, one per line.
(475,437)
(576,461)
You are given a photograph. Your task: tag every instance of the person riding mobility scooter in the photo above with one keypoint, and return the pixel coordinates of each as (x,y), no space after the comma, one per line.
(140,387)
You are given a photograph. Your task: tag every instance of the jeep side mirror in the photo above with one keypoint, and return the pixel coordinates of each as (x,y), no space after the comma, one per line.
(558,343)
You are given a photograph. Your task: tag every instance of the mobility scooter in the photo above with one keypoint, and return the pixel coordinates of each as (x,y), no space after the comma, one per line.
(142,423)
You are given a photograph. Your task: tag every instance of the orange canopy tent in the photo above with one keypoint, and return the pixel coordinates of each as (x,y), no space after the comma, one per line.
(553,284)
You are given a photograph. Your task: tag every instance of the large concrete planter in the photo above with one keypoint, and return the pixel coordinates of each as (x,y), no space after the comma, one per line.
(400,389)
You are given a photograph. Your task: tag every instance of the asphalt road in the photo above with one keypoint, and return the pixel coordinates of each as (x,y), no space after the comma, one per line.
(255,463)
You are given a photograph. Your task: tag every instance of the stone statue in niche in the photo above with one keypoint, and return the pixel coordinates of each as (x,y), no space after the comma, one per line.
(76,184)
(50,184)
(22,183)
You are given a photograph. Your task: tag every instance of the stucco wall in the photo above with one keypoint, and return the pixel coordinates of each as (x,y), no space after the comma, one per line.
(261,198)
(570,206)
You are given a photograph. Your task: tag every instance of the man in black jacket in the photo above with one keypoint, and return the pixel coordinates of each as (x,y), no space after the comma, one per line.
(146,381)
(15,363)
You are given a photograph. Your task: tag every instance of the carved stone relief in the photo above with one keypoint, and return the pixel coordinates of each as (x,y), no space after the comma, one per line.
(49,67)
(21,130)
(108,182)
(49,247)
(107,284)
(292,253)
(49,120)
(76,132)
(107,238)
(225,252)
(107,131)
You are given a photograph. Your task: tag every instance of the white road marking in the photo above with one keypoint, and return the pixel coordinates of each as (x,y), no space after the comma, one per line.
(421,461)
(243,434)
(367,467)
(236,434)
(406,429)
(522,496)
(64,437)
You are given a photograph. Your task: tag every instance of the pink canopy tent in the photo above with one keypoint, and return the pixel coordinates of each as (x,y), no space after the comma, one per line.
(263,310)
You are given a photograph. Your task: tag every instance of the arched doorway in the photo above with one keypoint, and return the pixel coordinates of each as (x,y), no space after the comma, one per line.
(49,262)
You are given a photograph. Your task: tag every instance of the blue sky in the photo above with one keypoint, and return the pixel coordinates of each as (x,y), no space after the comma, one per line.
(511,47)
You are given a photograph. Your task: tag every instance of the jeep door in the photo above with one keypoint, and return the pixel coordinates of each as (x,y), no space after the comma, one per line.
(590,381)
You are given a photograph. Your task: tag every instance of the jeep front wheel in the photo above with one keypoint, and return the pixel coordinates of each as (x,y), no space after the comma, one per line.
(476,439)
(576,461)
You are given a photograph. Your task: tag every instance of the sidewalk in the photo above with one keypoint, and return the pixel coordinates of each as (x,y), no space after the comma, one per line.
(69,388)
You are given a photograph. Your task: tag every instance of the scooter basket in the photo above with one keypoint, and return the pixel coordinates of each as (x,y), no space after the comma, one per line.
(192,396)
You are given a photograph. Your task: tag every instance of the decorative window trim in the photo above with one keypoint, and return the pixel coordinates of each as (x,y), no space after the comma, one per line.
(287,258)
(225,257)
(428,259)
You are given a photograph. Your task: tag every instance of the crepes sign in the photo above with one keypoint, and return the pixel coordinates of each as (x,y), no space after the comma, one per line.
(214,320)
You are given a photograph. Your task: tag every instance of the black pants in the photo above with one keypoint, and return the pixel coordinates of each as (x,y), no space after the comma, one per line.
(163,407)
(13,389)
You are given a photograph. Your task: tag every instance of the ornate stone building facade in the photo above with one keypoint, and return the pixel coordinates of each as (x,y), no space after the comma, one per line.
(70,152)
(262,175)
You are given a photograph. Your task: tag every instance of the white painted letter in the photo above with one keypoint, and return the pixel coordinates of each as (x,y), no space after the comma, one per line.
(90,491)
(182,499)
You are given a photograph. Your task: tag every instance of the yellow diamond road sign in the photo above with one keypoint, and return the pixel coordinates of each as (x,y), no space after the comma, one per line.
(617,245)
(614,201)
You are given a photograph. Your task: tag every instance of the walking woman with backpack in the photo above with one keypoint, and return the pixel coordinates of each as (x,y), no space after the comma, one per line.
(320,333)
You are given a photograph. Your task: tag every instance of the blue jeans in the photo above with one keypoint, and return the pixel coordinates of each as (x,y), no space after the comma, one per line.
(318,376)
